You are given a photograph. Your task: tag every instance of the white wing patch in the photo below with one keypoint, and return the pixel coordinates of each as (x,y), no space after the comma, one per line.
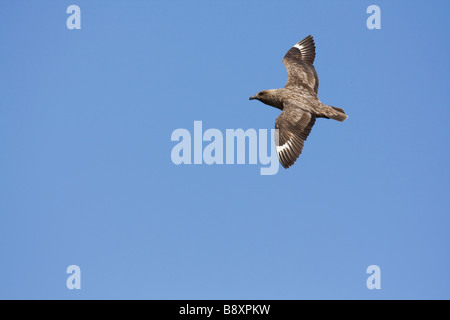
(298,46)
(284,146)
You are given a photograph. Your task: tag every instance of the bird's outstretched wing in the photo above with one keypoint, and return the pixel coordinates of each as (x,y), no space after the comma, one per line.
(299,65)
(294,126)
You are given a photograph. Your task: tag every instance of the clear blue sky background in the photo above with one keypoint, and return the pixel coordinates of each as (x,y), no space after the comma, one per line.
(86,176)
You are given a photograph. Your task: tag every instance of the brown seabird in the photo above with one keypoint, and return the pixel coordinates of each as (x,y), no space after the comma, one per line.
(298,102)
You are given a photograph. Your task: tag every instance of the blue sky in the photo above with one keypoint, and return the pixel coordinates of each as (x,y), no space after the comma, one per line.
(86,176)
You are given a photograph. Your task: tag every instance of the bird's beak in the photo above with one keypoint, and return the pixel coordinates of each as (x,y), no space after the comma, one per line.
(252,98)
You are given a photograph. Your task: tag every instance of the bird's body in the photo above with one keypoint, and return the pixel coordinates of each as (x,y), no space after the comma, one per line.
(298,102)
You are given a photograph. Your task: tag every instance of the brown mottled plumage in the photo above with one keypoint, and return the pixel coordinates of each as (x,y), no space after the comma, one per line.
(298,101)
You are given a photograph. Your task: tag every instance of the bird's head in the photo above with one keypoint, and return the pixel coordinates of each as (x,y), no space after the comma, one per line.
(270,97)
(260,96)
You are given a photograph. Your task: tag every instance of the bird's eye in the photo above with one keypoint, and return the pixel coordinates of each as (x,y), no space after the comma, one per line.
(261,93)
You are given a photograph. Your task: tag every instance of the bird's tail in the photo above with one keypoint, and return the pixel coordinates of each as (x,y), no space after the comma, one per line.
(332,112)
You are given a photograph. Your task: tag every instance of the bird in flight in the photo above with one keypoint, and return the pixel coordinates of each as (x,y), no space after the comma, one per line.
(298,102)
